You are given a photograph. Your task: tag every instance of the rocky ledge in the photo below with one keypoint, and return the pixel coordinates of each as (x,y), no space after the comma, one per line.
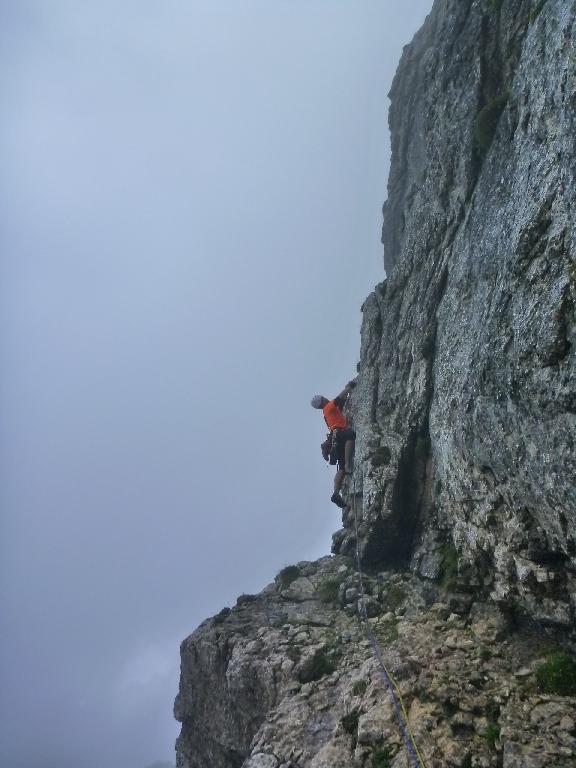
(288,679)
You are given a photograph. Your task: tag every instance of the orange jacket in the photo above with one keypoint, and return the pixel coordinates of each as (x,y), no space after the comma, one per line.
(333,415)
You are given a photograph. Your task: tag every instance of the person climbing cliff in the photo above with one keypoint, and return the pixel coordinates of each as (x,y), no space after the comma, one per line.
(338,448)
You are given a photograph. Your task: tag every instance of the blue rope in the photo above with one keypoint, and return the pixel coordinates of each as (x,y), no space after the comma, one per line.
(391,687)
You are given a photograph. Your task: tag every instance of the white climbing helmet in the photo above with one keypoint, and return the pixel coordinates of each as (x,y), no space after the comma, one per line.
(317,401)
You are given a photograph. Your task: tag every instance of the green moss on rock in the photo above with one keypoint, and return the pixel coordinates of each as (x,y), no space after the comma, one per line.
(381,456)
(316,667)
(557,675)
(487,120)
(329,588)
(449,567)
(380,759)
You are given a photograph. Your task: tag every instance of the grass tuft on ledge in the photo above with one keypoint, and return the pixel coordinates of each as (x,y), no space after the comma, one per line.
(557,675)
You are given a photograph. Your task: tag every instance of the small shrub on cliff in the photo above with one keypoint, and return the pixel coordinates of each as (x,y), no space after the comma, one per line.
(380,758)
(491,735)
(449,567)
(244,599)
(487,120)
(350,721)
(359,687)
(287,576)
(381,456)
(350,725)
(394,596)
(316,667)
(219,618)
(557,675)
(534,13)
(391,634)
(328,589)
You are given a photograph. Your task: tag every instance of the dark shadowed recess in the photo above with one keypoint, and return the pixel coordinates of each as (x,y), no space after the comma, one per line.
(391,541)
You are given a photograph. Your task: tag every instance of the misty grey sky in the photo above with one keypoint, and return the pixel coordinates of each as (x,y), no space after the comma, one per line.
(190,199)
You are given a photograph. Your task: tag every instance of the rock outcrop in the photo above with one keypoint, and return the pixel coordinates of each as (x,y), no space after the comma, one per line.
(287,679)
(465,412)
(466,407)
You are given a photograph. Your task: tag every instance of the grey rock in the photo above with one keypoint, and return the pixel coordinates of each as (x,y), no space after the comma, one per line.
(468,356)
(373,607)
(301,589)
(465,413)
(351,595)
(524,672)
(240,705)
(430,564)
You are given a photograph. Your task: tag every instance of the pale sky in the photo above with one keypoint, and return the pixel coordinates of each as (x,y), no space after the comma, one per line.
(190,203)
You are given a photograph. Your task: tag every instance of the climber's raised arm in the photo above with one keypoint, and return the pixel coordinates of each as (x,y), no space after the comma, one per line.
(347,389)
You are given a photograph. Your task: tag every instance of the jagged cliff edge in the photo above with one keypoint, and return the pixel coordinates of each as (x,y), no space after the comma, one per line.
(465,413)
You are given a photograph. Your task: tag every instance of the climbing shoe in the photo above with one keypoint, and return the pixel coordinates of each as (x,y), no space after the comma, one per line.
(338,500)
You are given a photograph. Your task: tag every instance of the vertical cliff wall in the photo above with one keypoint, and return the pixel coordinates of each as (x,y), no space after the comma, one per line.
(466,407)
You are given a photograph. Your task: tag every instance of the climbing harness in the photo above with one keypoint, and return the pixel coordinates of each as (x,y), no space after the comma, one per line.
(333,453)
(401,715)
(329,447)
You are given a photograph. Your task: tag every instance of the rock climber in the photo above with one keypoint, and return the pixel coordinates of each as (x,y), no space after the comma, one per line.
(339,445)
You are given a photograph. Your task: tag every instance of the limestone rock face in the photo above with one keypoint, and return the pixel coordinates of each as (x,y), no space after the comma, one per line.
(466,407)
(464,478)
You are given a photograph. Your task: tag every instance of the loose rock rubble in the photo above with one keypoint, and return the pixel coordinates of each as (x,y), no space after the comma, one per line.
(287,680)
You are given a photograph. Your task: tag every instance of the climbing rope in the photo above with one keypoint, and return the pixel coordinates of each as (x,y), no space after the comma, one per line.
(401,715)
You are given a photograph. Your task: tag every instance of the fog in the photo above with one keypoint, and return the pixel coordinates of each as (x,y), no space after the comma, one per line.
(190,202)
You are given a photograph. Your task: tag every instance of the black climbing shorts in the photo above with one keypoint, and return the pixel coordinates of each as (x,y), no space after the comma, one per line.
(342,437)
